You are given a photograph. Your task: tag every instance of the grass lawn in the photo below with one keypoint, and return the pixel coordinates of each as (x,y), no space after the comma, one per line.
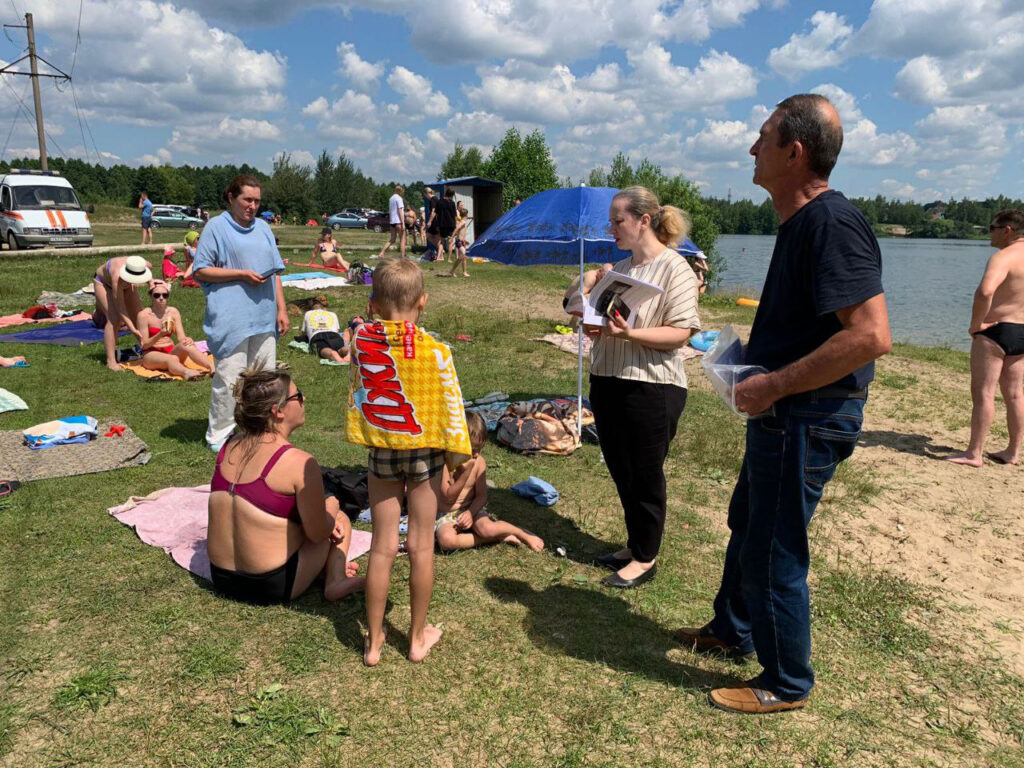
(112,655)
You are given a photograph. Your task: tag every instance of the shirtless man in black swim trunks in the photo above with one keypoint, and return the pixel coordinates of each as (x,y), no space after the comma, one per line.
(997,352)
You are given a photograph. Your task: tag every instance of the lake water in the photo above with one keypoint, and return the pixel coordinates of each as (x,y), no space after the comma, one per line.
(929,284)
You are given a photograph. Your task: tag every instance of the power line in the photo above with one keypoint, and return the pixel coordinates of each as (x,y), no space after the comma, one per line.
(78,35)
(31,119)
(10,133)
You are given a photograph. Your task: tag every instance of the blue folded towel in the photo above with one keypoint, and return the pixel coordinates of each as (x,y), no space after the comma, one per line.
(540,491)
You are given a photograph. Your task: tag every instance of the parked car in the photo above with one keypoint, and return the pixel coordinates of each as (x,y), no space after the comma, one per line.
(379,222)
(343,220)
(40,209)
(171,217)
(360,212)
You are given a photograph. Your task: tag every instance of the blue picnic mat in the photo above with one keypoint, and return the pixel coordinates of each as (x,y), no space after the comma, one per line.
(305,276)
(64,335)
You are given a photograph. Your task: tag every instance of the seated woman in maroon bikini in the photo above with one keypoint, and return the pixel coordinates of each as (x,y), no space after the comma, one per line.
(271,530)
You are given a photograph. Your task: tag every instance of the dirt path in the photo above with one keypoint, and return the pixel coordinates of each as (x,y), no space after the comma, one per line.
(946,526)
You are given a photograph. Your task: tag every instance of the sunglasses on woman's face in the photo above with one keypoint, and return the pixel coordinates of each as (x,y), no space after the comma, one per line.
(297,396)
(159,295)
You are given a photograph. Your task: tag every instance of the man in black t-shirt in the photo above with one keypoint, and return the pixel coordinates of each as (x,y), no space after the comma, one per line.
(821,323)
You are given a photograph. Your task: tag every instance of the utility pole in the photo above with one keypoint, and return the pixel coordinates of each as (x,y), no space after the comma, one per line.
(34,74)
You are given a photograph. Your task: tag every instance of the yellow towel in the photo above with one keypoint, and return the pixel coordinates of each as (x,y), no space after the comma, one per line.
(404,393)
(136,367)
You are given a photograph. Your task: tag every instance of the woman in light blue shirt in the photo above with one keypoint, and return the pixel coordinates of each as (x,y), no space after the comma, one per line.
(237,265)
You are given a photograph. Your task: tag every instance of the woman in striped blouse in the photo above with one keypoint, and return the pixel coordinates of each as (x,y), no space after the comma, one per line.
(637,381)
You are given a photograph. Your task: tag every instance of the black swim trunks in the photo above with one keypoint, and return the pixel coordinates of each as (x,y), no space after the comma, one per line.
(326,339)
(1009,337)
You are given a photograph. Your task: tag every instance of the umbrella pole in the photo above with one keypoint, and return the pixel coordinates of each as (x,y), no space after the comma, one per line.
(579,356)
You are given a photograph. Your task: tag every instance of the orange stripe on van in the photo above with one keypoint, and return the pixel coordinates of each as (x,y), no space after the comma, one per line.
(53,220)
(12,215)
(63,221)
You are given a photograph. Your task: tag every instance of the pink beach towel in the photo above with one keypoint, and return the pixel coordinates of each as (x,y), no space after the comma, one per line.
(175,519)
(9,320)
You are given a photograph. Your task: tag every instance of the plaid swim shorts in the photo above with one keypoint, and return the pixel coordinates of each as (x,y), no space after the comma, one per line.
(414,465)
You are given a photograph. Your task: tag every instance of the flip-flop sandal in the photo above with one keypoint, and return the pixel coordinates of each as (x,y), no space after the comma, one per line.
(7,487)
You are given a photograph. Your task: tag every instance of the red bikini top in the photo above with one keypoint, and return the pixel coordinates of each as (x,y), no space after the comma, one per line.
(257,492)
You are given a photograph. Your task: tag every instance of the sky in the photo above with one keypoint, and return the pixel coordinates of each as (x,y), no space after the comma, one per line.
(930,92)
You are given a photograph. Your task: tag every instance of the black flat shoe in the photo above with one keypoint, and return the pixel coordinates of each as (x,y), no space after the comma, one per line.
(611,562)
(620,583)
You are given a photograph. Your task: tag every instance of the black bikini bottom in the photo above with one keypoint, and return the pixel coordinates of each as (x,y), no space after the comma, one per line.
(268,588)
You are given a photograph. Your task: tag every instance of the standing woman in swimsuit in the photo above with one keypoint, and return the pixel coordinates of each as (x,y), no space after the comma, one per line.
(326,249)
(117,301)
(271,531)
(159,324)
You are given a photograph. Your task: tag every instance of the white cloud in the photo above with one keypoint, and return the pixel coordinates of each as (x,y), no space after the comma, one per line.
(228,138)
(717,79)
(818,49)
(420,99)
(863,144)
(726,141)
(363,74)
(298,157)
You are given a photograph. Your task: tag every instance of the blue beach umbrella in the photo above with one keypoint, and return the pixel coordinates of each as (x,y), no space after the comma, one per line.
(559,226)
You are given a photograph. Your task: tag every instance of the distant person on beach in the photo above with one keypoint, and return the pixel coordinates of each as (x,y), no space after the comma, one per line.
(146,206)
(997,351)
(237,264)
(820,326)
(328,251)
(396,219)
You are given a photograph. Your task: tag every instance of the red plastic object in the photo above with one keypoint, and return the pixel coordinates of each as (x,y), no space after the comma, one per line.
(116,429)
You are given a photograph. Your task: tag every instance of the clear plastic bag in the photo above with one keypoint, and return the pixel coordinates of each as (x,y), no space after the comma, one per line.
(724,366)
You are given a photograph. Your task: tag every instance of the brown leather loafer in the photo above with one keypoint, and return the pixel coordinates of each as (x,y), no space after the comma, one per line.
(703,640)
(750,699)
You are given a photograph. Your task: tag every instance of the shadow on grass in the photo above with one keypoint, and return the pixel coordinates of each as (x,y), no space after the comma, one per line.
(905,442)
(600,628)
(186,431)
(546,522)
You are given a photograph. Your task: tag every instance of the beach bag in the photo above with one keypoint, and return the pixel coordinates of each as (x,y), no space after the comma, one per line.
(546,426)
(350,488)
(360,274)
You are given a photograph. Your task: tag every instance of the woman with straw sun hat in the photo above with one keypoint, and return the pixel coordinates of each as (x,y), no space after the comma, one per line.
(117,300)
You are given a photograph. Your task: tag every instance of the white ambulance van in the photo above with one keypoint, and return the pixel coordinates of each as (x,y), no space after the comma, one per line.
(39,209)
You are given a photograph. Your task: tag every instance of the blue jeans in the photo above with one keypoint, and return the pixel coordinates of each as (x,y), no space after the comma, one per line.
(763,603)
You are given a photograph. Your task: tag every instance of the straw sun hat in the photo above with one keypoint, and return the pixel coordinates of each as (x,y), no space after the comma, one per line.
(135,270)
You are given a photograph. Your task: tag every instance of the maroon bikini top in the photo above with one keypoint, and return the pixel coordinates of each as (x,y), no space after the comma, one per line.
(257,492)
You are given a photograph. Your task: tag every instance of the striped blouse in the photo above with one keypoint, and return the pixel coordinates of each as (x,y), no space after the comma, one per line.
(676,307)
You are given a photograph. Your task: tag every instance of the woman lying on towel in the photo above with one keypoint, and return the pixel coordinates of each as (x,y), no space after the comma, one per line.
(156,326)
(271,531)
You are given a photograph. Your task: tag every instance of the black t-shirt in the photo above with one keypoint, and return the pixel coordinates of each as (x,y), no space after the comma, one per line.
(445,216)
(826,258)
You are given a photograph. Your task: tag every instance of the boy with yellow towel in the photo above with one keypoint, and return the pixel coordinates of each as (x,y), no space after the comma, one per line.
(406,405)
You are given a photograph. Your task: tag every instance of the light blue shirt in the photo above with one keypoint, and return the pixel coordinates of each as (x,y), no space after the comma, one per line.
(238,310)
(147,208)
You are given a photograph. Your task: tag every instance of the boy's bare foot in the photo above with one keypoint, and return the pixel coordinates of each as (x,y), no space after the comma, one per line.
(1003,457)
(513,540)
(536,543)
(465,274)
(343,588)
(371,655)
(418,651)
(115,366)
(964,459)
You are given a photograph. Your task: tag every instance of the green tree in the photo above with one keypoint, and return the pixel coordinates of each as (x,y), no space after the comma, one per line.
(523,166)
(289,191)
(462,162)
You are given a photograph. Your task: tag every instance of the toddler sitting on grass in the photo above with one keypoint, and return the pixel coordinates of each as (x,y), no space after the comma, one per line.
(463,521)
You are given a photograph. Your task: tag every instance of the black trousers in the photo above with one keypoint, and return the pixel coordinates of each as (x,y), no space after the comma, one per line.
(635,422)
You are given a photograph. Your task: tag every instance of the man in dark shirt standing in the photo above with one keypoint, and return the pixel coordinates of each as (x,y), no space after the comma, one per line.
(821,323)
